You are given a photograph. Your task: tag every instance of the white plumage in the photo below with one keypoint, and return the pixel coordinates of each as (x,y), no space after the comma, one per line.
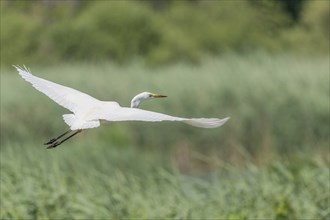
(87,111)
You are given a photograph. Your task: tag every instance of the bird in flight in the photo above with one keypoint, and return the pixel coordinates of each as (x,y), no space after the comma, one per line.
(88,112)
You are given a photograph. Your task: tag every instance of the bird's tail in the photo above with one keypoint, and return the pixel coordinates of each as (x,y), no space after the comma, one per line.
(206,122)
(69,119)
(76,124)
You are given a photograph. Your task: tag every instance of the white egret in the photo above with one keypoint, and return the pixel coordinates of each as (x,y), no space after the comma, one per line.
(87,112)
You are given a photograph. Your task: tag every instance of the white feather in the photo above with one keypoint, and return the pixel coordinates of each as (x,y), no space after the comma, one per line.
(88,111)
(134,114)
(67,97)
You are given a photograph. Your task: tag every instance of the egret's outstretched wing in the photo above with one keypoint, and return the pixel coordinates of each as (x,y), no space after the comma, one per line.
(67,97)
(134,114)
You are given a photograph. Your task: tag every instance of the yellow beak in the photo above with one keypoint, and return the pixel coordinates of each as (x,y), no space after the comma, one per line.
(158,96)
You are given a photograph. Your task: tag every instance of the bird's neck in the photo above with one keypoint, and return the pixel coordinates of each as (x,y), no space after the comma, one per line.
(135,103)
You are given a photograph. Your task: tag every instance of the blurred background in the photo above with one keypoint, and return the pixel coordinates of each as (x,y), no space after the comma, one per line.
(263,63)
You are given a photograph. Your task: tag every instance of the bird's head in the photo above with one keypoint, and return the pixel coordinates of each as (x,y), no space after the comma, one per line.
(144,96)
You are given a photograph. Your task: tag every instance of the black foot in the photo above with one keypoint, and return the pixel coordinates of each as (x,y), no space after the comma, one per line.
(50,142)
(53,145)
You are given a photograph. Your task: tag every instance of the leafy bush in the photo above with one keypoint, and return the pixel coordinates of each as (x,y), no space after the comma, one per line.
(183,30)
(118,31)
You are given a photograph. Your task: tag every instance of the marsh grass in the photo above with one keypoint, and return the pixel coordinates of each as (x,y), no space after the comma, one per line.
(100,181)
(269,161)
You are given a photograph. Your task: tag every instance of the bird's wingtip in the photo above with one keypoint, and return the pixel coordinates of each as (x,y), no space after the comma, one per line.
(20,69)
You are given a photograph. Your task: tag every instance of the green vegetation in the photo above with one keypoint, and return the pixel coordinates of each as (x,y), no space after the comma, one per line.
(270,160)
(263,63)
(158,32)
(94,179)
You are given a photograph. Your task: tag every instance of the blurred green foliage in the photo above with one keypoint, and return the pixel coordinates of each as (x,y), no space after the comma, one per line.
(97,180)
(279,105)
(158,31)
(269,161)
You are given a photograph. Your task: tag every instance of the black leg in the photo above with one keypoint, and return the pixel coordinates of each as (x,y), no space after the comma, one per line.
(55,144)
(55,139)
